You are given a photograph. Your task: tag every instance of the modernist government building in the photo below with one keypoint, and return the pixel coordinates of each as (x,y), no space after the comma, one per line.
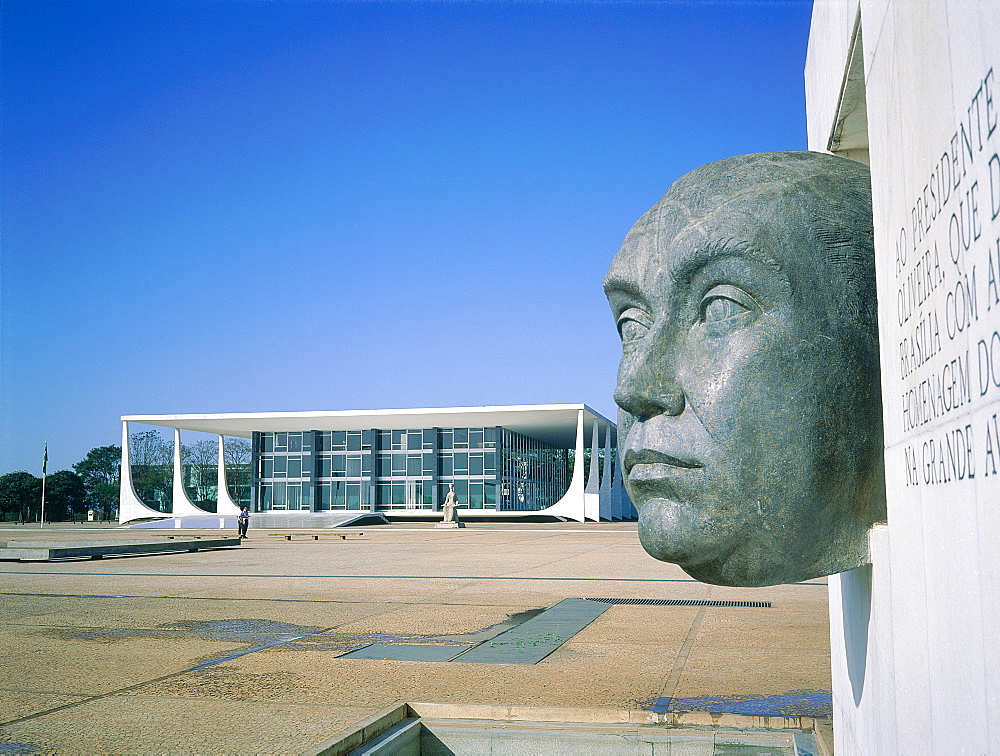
(307,467)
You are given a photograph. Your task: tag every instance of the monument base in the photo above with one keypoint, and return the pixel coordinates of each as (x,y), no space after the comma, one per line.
(449,524)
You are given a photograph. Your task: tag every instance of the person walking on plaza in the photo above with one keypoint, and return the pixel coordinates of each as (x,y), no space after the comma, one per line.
(243,521)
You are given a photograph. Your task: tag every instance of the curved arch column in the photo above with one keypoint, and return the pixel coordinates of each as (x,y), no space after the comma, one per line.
(225,505)
(130,506)
(622,503)
(572,504)
(607,506)
(182,504)
(592,496)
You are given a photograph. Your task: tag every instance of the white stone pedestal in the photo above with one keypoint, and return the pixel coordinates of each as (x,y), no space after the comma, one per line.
(913,89)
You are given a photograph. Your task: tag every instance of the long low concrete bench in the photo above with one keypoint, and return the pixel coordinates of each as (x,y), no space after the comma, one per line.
(39,551)
(313,536)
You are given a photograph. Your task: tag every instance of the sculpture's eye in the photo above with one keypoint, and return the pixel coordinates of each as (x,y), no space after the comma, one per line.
(721,308)
(633,325)
(725,303)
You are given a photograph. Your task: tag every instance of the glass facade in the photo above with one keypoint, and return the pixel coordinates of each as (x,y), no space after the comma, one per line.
(534,474)
(489,468)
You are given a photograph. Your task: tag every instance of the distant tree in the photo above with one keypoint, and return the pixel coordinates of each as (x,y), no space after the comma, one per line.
(65,496)
(20,496)
(238,478)
(105,497)
(201,462)
(101,474)
(151,458)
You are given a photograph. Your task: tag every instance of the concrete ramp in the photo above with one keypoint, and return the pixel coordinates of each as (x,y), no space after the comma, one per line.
(196,522)
(312,520)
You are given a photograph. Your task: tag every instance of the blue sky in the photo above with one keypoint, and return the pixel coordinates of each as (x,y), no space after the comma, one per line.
(226,206)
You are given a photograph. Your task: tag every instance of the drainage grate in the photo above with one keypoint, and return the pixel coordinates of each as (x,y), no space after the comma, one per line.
(683,602)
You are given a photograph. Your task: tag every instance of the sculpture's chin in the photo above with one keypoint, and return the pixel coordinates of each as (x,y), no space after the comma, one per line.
(713,549)
(675,532)
(741,576)
(714,540)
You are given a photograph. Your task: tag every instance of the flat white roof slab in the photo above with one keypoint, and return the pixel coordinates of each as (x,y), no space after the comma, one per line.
(552,423)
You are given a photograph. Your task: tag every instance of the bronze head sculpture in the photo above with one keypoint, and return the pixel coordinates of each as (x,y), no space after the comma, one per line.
(750,422)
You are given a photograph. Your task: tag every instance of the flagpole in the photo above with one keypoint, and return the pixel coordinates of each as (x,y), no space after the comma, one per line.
(45,464)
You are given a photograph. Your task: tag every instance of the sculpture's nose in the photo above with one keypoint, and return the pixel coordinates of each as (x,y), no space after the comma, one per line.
(647,386)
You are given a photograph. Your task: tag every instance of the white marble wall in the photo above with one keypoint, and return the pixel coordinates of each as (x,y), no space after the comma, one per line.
(826,60)
(919,670)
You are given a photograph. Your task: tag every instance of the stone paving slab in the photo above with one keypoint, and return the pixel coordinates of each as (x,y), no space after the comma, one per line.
(169,725)
(775,628)
(748,671)
(96,656)
(666,625)
(186,612)
(20,703)
(96,661)
(20,607)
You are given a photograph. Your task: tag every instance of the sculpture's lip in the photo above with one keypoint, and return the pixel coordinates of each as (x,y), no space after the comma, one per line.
(653,473)
(650,459)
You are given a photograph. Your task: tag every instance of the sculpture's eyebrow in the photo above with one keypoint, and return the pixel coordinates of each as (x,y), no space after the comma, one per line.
(624,290)
(702,255)
(618,286)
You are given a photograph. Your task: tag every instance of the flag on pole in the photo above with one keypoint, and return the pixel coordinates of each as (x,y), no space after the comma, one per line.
(45,463)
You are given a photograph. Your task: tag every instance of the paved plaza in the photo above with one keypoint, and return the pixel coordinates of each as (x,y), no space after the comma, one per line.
(240,650)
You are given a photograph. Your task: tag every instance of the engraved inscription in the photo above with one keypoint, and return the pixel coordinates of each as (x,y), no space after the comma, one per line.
(947,270)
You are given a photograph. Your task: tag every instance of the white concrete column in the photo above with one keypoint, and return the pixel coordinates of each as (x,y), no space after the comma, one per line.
(617,507)
(130,506)
(627,506)
(593,476)
(182,504)
(623,503)
(607,508)
(572,504)
(592,497)
(226,505)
